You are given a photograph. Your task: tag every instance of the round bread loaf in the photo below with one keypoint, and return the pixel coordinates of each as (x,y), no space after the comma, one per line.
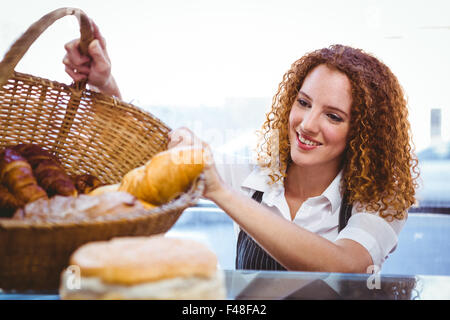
(155,267)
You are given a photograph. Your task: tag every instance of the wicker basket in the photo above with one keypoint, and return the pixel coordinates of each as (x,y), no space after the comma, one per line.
(90,133)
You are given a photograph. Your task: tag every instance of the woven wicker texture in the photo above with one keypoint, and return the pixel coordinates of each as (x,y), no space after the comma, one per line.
(90,133)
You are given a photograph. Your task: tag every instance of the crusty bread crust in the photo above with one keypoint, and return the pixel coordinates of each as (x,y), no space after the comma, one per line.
(134,260)
(165,176)
(190,288)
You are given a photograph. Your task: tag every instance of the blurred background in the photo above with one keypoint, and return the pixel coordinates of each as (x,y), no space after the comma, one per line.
(214,67)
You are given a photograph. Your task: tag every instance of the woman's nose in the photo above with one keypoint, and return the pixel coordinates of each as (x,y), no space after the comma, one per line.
(310,123)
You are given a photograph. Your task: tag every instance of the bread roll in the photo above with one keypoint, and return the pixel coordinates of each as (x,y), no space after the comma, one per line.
(155,267)
(114,188)
(105,189)
(167,175)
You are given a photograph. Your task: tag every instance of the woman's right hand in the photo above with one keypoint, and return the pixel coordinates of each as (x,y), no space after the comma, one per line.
(213,182)
(96,67)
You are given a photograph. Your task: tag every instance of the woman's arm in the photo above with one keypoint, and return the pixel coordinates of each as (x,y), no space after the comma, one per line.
(96,67)
(292,246)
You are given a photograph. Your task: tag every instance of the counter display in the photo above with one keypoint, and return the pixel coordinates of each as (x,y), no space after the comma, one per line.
(275,285)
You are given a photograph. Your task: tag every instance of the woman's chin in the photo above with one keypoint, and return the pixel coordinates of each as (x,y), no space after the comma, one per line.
(303,160)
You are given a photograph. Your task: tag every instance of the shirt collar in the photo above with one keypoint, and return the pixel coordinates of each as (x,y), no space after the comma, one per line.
(259,180)
(333,192)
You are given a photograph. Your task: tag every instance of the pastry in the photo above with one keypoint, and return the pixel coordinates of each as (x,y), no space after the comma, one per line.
(17,176)
(105,189)
(8,203)
(85,183)
(113,188)
(49,173)
(164,177)
(155,267)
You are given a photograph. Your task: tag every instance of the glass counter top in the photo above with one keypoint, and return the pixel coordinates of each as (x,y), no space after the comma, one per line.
(331,286)
(275,285)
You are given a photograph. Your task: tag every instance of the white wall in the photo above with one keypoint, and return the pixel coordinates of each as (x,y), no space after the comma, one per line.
(201,52)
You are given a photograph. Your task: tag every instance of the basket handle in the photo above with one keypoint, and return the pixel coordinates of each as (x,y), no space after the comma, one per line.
(21,46)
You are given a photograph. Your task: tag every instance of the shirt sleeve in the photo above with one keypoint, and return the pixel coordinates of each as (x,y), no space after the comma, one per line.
(374,233)
(232,168)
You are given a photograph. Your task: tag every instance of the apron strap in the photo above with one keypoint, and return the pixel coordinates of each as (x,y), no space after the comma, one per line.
(250,256)
(345,212)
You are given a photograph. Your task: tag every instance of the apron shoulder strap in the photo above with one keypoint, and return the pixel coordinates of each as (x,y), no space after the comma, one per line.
(257,196)
(345,212)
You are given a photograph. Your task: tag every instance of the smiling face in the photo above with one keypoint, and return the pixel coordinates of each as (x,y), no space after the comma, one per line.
(319,120)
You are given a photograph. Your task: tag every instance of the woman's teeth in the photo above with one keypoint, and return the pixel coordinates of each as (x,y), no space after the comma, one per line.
(308,142)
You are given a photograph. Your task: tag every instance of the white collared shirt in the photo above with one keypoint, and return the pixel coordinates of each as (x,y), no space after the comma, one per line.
(317,214)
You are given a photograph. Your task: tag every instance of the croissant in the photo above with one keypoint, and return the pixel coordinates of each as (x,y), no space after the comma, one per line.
(85,183)
(165,176)
(16,174)
(8,203)
(49,172)
(33,153)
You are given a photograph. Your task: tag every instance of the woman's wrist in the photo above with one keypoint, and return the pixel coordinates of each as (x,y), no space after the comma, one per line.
(220,192)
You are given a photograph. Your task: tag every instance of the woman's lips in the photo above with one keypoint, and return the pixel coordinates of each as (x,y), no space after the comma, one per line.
(305,146)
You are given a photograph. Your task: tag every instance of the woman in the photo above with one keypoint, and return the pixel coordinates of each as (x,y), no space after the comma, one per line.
(335,175)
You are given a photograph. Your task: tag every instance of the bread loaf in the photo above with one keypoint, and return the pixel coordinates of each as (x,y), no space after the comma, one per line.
(165,176)
(154,267)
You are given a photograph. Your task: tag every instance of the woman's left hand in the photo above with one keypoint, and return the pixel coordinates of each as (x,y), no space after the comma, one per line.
(213,182)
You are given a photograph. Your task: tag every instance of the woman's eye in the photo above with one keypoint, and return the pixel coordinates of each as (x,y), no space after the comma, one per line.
(303,103)
(334,117)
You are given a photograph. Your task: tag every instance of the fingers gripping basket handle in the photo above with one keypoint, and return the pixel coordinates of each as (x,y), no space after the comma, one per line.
(21,46)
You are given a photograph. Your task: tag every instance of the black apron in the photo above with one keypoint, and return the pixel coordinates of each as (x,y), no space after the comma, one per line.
(250,256)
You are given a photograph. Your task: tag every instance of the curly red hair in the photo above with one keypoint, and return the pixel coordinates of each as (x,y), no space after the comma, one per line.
(379,165)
